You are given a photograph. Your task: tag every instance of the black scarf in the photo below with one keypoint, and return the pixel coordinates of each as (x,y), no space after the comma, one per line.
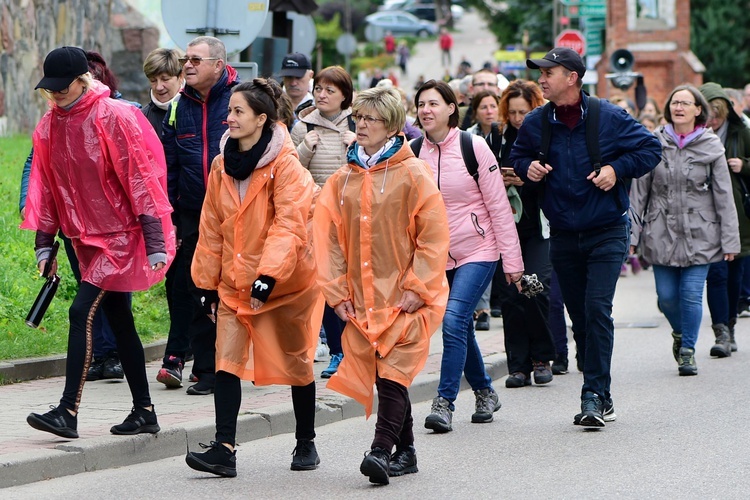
(240,164)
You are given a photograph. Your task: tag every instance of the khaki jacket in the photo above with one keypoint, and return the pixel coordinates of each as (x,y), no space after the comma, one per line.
(685,221)
(265,233)
(330,152)
(379,232)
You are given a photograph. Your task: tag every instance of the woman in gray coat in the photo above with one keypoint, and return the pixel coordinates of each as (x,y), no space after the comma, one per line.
(684,217)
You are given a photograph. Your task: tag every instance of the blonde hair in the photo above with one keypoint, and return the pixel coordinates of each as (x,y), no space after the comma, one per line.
(86,79)
(384,101)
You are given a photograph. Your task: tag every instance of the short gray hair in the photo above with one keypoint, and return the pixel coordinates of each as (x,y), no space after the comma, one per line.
(216,47)
(384,101)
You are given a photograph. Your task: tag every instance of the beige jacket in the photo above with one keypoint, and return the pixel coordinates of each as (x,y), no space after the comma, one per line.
(330,152)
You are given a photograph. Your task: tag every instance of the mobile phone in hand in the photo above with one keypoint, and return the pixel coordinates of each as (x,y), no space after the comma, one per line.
(507,171)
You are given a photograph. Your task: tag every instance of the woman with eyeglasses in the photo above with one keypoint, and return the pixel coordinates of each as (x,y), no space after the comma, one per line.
(121,229)
(684,217)
(381,238)
(322,135)
(482,229)
(255,250)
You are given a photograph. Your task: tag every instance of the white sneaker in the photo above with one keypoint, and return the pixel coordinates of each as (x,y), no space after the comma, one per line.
(322,352)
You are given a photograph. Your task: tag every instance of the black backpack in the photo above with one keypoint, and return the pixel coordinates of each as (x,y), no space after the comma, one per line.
(467,151)
(592,142)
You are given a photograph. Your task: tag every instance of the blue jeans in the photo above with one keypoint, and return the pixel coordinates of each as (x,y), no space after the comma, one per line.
(587,264)
(680,293)
(460,350)
(723,285)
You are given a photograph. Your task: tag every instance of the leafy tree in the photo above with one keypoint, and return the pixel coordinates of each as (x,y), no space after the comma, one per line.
(720,39)
(508,20)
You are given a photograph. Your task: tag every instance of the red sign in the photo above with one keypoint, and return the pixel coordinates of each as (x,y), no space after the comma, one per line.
(572,39)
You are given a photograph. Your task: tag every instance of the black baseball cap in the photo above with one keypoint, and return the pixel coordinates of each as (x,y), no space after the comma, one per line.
(559,56)
(61,67)
(295,64)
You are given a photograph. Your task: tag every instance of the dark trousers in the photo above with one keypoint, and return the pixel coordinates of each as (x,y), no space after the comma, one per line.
(723,285)
(86,303)
(588,266)
(228,397)
(104,338)
(180,304)
(395,426)
(525,320)
(334,327)
(202,329)
(557,326)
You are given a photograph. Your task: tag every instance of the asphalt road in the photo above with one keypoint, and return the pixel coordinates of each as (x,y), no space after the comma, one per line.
(675,437)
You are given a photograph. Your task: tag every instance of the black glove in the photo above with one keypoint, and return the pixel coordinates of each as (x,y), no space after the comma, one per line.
(209,297)
(262,288)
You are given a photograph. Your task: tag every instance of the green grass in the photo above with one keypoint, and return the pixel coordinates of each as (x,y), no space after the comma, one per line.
(20,281)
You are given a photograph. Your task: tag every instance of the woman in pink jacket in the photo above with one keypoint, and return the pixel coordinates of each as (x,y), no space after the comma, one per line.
(482,229)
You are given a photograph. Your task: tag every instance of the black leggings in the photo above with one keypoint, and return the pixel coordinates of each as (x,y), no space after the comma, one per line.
(228,397)
(395,424)
(80,339)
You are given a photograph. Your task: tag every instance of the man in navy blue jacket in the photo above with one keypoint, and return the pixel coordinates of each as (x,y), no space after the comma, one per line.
(191,133)
(587,210)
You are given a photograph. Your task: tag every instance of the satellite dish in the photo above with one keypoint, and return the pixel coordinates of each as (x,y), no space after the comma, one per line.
(236,23)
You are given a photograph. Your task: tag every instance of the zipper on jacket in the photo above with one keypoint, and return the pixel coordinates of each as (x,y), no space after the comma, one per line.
(455,262)
(438,166)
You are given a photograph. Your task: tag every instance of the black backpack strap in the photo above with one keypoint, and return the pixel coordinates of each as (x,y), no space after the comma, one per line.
(496,139)
(592,133)
(352,125)
(470,159)
(416,145)
(546,134)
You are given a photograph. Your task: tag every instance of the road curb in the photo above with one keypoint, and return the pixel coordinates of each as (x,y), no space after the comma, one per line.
(104,452)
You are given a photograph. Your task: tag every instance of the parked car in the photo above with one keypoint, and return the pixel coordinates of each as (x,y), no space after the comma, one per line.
(402,23)
(423,10)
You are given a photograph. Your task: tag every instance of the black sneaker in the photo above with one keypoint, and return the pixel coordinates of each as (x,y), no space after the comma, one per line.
(217,460)
(200,389)
(112,368)
(517,379)
(542,372)
(592,409)
(686,364)
(486,404)
(608,414)
(403,462)
(376,466)
(139,421)
(496,313)
(58,421)
(305,456)
(483,322)
(170,373)
(95,370)
(560,365)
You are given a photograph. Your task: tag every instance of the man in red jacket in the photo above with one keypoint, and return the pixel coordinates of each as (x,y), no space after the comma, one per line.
(446,44)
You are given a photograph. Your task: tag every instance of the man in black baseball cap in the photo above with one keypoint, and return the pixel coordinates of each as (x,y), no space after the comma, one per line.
(559,56)
(61,67)
(296,70)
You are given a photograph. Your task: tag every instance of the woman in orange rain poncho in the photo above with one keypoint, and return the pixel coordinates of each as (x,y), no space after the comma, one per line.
(98,175)
(381,242)
(254,248)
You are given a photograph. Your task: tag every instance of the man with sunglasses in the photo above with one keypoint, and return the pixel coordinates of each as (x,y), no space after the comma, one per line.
(191,132)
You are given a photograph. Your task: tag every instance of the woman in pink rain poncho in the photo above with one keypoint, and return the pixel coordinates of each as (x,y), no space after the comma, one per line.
(99,175)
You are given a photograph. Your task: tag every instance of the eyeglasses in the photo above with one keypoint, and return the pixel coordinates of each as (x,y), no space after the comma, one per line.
(61,92)
(370,120)
(195,60)
(681,104)
(329,90)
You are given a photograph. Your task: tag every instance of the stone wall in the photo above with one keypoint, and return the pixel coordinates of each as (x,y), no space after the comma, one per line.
(30,29)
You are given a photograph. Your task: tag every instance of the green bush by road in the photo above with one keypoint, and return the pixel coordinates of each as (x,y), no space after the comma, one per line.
(20,281)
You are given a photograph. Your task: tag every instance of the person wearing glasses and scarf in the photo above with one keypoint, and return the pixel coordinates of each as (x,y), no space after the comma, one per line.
(684,217)
(191,132)
(121,229)
(381,241)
